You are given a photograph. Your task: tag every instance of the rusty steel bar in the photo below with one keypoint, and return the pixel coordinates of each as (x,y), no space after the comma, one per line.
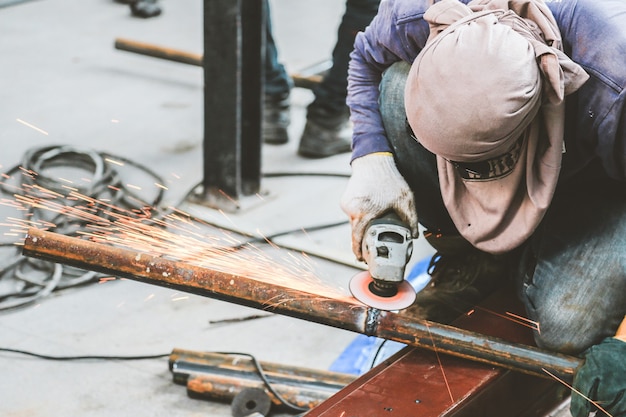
(345,313)
(156,51)
(220,376)
(308,79)
(243,363)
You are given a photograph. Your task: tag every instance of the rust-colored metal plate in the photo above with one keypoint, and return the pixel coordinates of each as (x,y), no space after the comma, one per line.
(416,382)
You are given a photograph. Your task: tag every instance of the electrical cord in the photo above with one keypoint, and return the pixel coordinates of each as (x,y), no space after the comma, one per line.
(267,383)
(86,357)
(253,359)
(26,281)
(270,237)
(377,353)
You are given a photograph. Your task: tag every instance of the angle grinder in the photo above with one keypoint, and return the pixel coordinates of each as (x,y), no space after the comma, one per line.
(387,248)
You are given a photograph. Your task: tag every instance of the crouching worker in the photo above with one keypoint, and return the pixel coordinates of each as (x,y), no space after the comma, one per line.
(472,119)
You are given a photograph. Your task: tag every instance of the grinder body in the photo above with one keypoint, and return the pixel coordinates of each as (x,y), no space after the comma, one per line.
(387,248)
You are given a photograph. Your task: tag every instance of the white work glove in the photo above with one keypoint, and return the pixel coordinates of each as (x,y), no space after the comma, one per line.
(375,188)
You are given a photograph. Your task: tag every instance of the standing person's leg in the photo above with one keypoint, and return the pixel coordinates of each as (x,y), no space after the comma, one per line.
(573,273)
(461,275)
(278,83)
(328,115)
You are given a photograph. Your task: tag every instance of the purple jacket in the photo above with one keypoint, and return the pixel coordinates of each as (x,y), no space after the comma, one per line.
(594,35)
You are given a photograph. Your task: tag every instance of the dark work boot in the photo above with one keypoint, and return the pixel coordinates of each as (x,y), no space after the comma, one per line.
(461,277)
(325,133)
(144,8)
(276,119)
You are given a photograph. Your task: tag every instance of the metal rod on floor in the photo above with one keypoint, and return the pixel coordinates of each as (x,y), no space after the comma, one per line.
(307,78)
(344,313)
(156,51)
(221,376)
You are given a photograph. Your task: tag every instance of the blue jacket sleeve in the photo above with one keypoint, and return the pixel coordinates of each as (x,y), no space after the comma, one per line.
(594,36)
(397,33)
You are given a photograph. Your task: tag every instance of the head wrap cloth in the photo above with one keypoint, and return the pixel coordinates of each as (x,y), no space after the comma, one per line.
(493,75)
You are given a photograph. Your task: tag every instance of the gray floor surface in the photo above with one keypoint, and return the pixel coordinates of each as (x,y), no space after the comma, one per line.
(64,83)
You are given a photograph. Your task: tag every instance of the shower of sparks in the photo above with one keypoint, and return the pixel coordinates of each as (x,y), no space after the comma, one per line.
(32,126)
(176,236)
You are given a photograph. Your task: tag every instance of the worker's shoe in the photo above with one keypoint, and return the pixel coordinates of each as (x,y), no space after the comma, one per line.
(325,133)
(461,277)
(276,119)
(144,8)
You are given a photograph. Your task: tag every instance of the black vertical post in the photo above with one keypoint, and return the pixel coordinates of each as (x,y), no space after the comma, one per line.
(234,46)
(253,75)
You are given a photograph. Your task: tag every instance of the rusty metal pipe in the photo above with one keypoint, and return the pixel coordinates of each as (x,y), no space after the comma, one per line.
(221,376)
(346,313)
(156,51)
(308,79)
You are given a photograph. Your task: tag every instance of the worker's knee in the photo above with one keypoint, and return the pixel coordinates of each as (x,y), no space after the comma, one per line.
(555,334)
(573,314)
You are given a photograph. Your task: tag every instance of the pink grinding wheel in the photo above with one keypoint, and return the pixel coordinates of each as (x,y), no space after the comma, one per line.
(359,287)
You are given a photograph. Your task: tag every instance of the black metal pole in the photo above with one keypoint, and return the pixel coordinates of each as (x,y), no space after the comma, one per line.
(233,73)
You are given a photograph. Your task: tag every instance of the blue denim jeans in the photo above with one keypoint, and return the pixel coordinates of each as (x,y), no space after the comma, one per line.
(571,274)
(277,81)
(330,94)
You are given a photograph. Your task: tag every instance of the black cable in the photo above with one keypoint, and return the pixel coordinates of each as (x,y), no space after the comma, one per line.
(87,357)
(33,181)
(378,351)
(254,360)
(303,174)
(268,384)
(269,238)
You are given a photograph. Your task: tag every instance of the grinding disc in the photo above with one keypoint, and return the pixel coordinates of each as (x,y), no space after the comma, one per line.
(359,287)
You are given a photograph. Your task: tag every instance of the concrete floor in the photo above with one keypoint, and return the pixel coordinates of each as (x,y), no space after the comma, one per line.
(65,84)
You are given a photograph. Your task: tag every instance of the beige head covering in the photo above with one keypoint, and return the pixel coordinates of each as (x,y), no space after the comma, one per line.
(486,96)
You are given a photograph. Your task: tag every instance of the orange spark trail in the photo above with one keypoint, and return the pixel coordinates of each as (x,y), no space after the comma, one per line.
(511,317)
(32,126)
(443,373)
(576,391)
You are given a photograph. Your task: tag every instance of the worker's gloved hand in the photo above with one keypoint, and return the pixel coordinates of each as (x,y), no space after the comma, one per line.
(601,378)
(376,187)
